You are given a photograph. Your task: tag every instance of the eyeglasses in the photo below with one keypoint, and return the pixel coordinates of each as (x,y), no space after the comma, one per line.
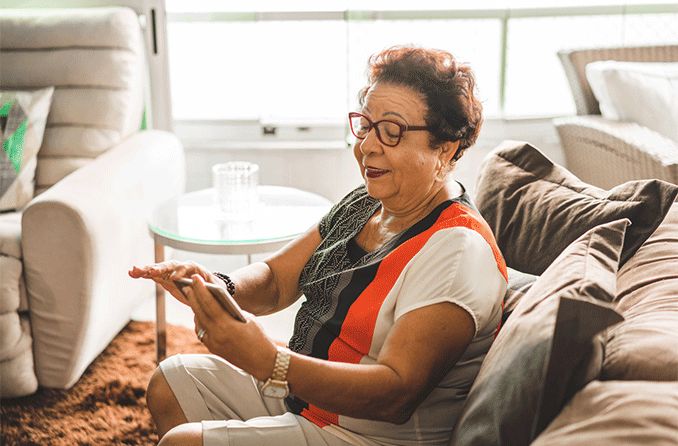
(388,132)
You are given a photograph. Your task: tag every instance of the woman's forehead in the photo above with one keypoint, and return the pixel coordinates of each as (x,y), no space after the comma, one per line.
(384,98)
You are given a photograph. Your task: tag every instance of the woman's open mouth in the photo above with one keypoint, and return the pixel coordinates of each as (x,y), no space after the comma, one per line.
(372,172)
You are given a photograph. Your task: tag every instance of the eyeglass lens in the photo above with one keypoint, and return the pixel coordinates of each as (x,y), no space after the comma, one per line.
(389,133)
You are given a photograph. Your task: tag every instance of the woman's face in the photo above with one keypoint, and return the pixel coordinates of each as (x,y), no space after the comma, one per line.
(403,175)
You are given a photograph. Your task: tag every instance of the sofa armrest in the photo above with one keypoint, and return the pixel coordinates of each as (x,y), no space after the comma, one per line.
(80,237)
(605,153)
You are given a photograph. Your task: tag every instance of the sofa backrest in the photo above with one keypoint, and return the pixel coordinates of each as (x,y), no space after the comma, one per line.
(94,57)
(574,63)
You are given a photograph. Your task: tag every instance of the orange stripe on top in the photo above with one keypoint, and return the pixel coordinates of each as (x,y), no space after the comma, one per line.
(357,329)
(318,416)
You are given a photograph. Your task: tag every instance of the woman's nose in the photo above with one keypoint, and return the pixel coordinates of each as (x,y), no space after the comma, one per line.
(370,143)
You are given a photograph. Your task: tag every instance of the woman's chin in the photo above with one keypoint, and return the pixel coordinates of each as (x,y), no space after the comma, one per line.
(375,190)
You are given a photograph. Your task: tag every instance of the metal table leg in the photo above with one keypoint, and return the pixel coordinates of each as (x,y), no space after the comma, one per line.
(160,322)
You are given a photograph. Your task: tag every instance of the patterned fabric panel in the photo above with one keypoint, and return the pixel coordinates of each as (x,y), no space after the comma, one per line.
(23,115)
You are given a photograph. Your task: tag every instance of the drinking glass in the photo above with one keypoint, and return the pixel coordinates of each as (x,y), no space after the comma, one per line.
(235,185)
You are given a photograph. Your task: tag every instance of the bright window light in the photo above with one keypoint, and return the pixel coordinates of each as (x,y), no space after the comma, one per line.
(302,62)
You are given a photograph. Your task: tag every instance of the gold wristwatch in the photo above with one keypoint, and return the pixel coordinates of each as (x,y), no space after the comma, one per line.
(276,386)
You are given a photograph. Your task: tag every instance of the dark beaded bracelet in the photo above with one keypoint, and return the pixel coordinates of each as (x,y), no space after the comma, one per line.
(230,286)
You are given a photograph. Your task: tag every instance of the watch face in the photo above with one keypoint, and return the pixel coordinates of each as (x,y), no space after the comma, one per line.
(275,390)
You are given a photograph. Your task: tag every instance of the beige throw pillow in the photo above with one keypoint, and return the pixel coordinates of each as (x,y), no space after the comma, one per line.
(617,413)
(642,92)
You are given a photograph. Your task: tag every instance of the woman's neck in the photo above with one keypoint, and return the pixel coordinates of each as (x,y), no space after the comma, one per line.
(394,218)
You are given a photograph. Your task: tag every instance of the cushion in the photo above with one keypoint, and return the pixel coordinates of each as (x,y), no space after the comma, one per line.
(643,347)
(617,413)
(549,347)
(23,115)
(536,208)
(94,57)
(11,285)
(10,234)
(16,362)
(641,92)
(519,283)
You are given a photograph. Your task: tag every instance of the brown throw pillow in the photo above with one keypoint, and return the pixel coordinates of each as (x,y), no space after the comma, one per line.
(617,413)
(549,348)
(645,345)
(536,208)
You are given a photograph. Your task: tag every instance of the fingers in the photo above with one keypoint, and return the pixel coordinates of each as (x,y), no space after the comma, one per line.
(182,270)
(137,272)
(200,300)
(171,270)
(149,271)
(196,323)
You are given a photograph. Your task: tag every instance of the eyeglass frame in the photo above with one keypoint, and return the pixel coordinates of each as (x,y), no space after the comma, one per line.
(374,125)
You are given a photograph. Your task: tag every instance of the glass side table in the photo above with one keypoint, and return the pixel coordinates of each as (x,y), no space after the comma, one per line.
(193,222)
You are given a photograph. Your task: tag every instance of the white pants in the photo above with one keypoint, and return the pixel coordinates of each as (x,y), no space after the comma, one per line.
(231,408)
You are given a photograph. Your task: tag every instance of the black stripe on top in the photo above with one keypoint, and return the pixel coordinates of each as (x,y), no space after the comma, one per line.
(295,405)
(360,279)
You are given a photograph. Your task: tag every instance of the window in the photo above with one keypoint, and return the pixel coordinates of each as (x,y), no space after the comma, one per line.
(291,70)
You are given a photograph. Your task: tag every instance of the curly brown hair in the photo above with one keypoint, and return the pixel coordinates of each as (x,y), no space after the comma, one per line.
(454,113)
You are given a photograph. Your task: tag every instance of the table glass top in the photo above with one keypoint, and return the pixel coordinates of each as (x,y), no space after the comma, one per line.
(282,214)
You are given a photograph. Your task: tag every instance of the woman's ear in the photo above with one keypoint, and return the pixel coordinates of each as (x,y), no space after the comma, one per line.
(445,156)
(447,151)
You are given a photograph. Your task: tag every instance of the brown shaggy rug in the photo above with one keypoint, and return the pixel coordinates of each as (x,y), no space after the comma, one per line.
(107,405)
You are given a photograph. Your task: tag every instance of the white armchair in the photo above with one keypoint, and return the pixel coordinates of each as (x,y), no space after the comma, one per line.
(604,152)
(98,177)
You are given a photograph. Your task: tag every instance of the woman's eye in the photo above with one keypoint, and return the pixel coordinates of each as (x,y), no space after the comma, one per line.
(391,131)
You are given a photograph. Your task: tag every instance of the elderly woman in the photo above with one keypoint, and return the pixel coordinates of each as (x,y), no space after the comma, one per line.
(403,282)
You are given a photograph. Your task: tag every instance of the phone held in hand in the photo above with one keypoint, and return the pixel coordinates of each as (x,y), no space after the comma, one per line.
(221,294)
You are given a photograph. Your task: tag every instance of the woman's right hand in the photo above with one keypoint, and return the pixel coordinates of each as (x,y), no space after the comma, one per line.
(165,273)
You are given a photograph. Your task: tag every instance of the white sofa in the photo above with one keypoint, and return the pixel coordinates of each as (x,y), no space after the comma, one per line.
(64,257)
(606,152)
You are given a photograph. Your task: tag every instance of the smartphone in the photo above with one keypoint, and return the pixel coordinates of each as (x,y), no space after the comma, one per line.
(222,296)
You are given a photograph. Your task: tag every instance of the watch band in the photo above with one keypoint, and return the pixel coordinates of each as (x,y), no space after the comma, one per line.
(282,363)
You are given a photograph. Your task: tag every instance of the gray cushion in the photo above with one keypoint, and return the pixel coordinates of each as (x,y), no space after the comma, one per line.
(519,284)
(549,347)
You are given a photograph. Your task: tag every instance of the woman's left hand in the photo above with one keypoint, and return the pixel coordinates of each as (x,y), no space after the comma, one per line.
(244,345)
